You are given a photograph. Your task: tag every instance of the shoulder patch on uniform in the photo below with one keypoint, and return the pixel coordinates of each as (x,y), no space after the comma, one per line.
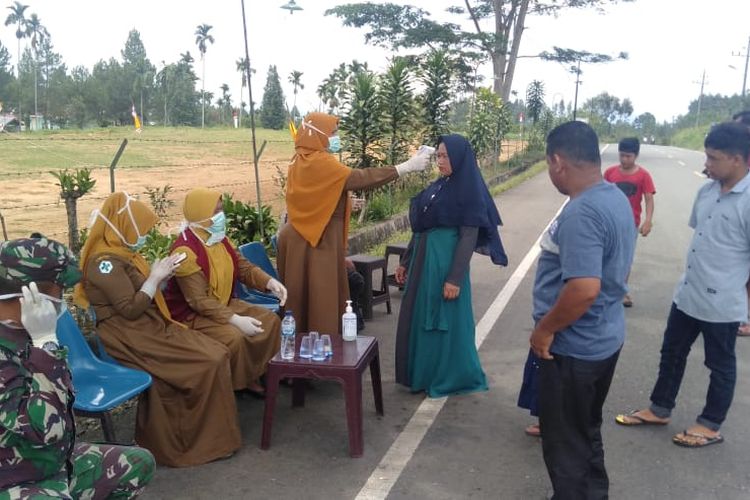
(105,267)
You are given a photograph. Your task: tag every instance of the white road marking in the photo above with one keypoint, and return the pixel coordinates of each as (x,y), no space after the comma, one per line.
(699,174)
(391,466)
(681,163)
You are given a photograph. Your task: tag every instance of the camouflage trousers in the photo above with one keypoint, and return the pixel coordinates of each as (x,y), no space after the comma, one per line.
(99,471)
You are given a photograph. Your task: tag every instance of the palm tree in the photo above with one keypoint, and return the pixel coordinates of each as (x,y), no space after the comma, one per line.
(37,32)
(295,78)
(17,17)
(162,77)
(241,63)
(226,100)
(201,38)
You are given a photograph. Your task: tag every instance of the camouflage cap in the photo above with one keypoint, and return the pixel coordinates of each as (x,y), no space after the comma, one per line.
(37,259)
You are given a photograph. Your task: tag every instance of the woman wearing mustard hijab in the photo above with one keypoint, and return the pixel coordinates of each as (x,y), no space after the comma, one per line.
(188,416)
(312,246)
(201,294)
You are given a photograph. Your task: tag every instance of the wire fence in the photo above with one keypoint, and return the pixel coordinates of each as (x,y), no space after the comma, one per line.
(31,200)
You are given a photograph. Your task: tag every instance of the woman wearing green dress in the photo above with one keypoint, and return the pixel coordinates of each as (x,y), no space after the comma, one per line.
(451,219)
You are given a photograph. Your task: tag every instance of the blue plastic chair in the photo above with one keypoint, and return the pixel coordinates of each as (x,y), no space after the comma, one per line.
(255,252)
(100,386)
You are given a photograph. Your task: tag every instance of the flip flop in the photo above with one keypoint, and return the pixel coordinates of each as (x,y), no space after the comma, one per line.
(679,439)
(621,419)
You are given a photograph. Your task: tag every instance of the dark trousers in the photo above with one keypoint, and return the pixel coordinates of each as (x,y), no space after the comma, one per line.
(718,343)
(356,289)
(571,395)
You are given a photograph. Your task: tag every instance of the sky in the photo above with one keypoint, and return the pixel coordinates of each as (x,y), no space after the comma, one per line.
(670,44)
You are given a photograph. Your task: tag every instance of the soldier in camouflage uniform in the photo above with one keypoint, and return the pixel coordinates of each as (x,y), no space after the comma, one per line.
(38,454)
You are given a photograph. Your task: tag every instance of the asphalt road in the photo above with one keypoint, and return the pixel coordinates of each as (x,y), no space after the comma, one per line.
(474,447)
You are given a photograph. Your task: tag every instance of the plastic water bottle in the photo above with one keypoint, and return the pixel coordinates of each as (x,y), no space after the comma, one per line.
(288,331)
(349,323)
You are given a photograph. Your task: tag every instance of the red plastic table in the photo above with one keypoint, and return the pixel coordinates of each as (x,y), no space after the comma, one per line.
(348,363)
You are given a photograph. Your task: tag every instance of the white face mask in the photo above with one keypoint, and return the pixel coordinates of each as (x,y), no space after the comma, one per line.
(140,240)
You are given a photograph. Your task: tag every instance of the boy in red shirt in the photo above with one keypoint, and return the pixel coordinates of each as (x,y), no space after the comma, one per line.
(636,183)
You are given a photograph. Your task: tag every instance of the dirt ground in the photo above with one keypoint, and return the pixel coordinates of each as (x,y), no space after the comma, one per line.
(32,203)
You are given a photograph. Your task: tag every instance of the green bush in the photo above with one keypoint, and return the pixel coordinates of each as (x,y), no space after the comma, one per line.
(157,245)
(243,224)
(380,207)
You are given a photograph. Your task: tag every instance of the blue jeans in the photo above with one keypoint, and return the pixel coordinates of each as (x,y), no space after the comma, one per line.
(718,343)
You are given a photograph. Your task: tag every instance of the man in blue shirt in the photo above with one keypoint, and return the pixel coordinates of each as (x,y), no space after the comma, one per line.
(711,296)
(580,321)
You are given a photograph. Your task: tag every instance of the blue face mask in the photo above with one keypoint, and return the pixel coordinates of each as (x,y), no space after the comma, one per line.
(139,243)
(217,229)
(334,144)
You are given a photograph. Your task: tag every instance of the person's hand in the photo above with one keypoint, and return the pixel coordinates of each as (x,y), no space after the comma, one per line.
(246,324)
(400,275)
(276,288)
(416,163)
(164,268)
(450,291)
(646,228)
(541,341)
(161,270)
(38,315)
(349,264)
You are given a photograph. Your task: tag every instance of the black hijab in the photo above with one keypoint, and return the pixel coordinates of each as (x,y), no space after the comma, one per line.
(460,199)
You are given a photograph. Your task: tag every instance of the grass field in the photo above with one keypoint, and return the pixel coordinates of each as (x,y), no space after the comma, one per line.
(183,158)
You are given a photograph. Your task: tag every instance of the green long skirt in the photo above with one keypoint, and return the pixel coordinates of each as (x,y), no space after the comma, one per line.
(443,358)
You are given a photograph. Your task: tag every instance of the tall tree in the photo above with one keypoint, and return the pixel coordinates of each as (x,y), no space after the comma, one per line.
(226,102)
(295,78)
(535,100)
(138,69)
(241,65)
(273,112)
(17,16)
(202,38)
(396,95)
(361,123)
(436,75)
(405,26)
(6,75)
(162,80)
(37,33)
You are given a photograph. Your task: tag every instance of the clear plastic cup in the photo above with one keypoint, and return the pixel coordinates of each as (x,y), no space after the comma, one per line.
(313,337)
(318,352)
(327,345)
(305,347)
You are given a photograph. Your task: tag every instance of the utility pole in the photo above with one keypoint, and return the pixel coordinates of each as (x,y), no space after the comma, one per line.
(578,82)
(747,59)
(700,98)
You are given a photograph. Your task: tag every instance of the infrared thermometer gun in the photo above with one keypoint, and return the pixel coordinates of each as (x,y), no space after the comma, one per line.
(180,259)
(427,150)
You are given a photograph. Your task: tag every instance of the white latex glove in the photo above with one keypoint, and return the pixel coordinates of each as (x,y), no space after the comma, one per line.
(246,324)
(276,288)
(161,270)
(38,315)
(416,163)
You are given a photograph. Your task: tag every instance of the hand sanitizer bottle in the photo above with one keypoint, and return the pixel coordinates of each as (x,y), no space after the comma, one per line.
(349,323)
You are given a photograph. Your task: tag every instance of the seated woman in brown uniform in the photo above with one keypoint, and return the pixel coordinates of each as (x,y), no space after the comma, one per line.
(188,416)
(201,294)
